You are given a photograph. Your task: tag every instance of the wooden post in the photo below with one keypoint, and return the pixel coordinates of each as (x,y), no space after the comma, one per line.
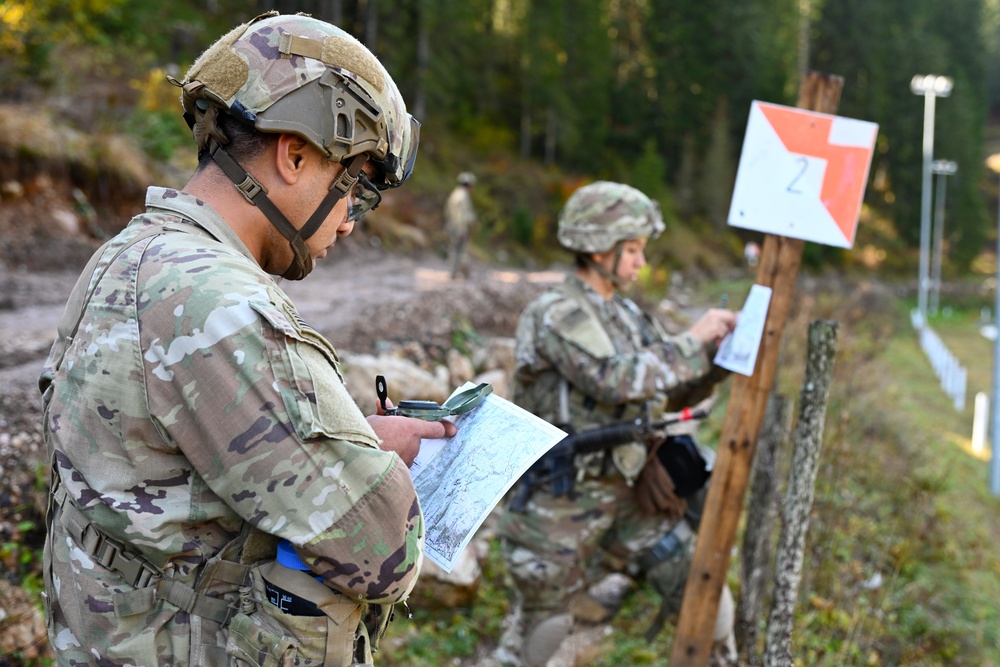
(801,490)
(779,266)
(762,513)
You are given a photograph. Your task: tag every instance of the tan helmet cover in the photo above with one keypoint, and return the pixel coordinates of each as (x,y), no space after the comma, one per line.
(599,215)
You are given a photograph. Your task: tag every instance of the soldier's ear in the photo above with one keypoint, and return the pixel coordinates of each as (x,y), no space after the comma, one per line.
(292,155)
(600,258)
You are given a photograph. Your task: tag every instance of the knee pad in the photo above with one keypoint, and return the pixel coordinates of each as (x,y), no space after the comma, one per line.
(666,564)
(542,641)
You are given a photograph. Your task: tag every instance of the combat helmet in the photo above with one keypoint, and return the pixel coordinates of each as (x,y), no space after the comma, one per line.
(299,75)
(466,178)
(599,215)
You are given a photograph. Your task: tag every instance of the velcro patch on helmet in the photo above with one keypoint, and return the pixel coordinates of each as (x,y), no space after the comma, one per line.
(352,56)
(220,68)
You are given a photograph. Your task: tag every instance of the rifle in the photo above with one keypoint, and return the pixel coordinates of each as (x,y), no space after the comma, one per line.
(556,465)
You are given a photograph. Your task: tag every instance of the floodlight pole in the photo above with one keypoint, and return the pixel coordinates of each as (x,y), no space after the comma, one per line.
(942,169)
(931,87)
(994,163)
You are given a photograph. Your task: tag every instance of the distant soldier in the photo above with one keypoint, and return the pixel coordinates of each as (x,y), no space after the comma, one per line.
(459,218)
(587,357)
(194,419)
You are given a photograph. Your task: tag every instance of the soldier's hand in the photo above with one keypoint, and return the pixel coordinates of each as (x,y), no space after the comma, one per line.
(713,326)
(403,434)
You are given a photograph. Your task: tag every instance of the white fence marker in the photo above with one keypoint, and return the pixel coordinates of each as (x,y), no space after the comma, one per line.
(946,366)
(979,419)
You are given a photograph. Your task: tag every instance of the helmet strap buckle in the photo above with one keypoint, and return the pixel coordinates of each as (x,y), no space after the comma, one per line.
(250,188)
(348,178)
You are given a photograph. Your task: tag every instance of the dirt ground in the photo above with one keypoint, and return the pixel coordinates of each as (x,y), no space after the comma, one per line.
(363,298)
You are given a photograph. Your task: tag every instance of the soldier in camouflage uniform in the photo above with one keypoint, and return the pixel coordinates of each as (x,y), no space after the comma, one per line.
(459,219)
(193,417)
(586,357)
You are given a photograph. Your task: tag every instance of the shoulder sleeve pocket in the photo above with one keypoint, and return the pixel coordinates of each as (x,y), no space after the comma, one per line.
(575,325)
(310,383)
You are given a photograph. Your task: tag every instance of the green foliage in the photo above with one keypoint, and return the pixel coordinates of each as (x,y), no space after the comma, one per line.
(878,49)
(522,226)
(649,173)
(594,87)
(463,334)
(719,171)
(160,132)
(20,548)
(886,579)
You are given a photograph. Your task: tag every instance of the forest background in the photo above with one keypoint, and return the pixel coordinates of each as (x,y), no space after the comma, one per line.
(538,97)
(652,92)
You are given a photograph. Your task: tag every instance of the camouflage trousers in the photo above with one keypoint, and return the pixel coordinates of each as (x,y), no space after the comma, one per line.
(457,244)
(558,547)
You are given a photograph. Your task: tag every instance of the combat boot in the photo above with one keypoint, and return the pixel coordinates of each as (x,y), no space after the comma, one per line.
(601,602)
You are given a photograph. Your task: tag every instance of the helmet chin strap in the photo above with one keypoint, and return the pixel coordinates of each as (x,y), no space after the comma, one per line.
(256,194)
(612,275)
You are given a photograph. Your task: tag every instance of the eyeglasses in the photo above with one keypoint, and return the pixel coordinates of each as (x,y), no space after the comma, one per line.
(364,197)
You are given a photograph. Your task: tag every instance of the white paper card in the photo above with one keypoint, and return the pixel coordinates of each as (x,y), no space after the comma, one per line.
(738,351)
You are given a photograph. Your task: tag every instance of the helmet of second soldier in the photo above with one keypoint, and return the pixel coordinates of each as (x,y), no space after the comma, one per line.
(299,75)
(601,214)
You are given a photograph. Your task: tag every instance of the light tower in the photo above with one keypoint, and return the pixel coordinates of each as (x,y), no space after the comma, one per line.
(931,86)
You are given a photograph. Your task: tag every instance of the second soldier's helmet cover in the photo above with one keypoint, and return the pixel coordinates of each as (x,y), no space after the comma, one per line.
(303,76)
(601,214)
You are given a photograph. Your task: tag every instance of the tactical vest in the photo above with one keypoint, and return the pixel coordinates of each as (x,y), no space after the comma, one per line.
(576,319)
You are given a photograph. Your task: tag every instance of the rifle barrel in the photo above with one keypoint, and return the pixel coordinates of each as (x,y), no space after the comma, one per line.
(612,435)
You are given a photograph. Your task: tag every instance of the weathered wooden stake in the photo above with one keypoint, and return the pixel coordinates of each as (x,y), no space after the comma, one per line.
(757,555)
(779,266)
(801,489)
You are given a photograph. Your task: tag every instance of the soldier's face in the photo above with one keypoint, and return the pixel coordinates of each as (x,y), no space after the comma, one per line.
(627,265)
(337,223)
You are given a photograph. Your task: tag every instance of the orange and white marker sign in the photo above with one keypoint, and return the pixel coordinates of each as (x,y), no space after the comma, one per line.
(802,174)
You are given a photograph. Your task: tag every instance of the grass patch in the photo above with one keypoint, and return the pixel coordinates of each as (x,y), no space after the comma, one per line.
(430,636)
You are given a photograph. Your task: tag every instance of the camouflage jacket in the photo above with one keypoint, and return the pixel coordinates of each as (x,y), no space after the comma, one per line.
(193,399)
(459,214)
(615,358)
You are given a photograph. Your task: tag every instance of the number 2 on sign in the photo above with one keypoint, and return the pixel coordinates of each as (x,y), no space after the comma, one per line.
(793,186)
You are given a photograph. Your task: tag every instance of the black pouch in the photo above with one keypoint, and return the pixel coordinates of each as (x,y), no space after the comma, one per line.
(682,458)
